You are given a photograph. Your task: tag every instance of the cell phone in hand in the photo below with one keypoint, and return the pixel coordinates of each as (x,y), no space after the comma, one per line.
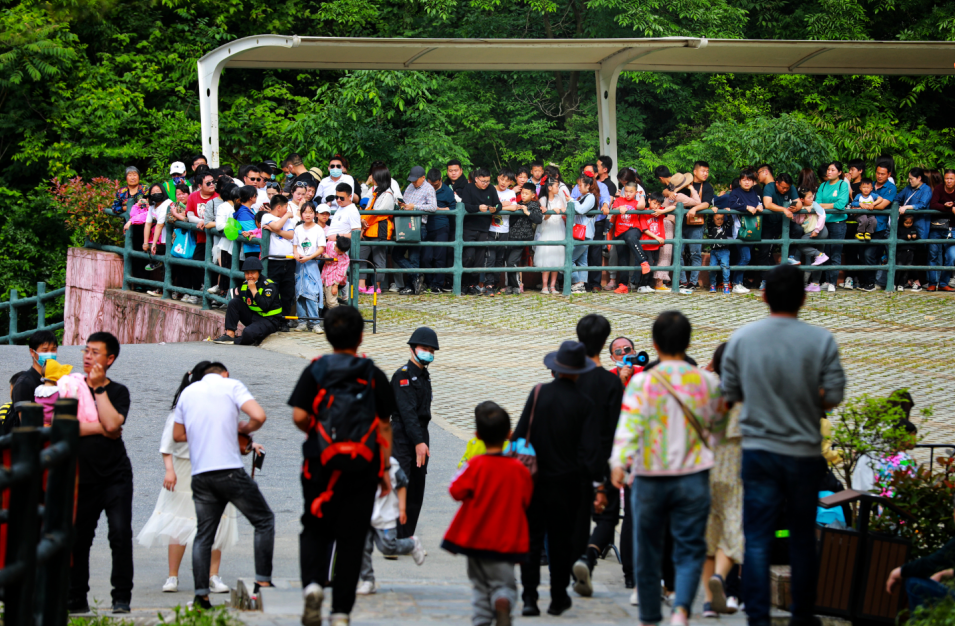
(258,459)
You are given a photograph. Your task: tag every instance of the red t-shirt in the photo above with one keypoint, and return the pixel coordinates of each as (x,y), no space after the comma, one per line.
(655,226)
(623,223)
(192,206)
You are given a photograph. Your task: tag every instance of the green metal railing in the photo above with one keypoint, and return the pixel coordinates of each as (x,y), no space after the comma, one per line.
(39,301)
(456,270)
(211,270)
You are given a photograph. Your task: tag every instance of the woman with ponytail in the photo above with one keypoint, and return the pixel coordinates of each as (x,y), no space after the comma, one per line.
(173,522)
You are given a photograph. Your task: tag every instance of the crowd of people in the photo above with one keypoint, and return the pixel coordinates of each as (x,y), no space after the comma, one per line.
(701,459)
(304,213)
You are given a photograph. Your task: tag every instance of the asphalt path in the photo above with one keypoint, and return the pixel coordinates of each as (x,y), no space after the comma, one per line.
(153,372)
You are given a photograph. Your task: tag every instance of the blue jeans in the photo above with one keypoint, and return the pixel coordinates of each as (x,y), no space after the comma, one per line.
(409,263)
(745,253)
(837,231)
(925,592)
(720,258)
(580,260)
(771,480)
(309,308)
(686,501)
(940,254)
(696,252)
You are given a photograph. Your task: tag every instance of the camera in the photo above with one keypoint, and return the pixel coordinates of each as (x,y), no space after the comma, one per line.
(640,359)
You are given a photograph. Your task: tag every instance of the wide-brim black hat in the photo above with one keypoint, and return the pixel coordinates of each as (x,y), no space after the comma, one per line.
(570,358)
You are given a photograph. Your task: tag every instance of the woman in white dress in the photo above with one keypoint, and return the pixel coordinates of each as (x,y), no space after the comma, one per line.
(173,522)
(552,229)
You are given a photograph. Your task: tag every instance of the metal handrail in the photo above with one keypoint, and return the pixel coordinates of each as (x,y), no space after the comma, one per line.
(39,300)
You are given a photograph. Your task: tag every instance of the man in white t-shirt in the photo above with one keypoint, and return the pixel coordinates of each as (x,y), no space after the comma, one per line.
(346,218)
(207,416)
(281,227)
(502,256)
(329,184)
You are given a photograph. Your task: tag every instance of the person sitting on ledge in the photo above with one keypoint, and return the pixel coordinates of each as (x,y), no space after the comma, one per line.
(256,304)
(924,576)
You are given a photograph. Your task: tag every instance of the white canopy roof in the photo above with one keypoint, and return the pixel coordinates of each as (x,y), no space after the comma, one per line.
(667,54)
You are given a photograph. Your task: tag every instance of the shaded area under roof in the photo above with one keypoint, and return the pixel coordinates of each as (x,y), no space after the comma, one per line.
(669,54)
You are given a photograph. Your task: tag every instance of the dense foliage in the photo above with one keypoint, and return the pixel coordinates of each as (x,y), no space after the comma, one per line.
(89,86)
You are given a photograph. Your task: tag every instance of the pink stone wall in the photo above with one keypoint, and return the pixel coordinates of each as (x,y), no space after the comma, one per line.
(95,301)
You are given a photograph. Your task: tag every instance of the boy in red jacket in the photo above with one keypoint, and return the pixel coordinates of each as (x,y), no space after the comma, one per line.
(490,528)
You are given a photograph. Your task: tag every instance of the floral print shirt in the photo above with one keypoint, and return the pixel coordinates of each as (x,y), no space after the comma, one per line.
(654,436)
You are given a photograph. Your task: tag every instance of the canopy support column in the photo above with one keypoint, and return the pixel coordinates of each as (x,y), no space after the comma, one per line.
(607,77)
(210,70)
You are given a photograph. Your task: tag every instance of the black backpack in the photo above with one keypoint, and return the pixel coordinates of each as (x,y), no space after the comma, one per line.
(343,433)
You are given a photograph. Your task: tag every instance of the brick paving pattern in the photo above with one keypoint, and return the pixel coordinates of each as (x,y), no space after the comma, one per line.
(492,348)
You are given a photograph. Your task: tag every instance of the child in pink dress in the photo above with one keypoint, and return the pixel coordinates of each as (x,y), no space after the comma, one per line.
(333,272)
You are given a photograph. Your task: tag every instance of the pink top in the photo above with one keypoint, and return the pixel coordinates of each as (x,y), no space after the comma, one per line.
(137,215)
(333,272)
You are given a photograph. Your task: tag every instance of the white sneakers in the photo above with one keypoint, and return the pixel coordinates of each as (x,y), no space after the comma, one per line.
(214,290)
(645,289)
(217,586)
(634,598)
(338,619)
(312,614)
(848,284)
(578,288)
(740,289)
(831,288)
(418,553)
(366,588)
(171,585)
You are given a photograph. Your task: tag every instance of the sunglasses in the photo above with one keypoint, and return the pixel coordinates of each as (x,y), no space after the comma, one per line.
(622,351)
(343,198)
(254,179)
(337,165)
(209,183)
(271,185)
(300,185)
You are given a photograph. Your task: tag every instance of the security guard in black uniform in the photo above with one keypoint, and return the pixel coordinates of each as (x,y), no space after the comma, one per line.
(256,304)
(409,423)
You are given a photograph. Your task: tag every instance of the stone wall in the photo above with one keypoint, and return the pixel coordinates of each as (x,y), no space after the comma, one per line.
(95,301)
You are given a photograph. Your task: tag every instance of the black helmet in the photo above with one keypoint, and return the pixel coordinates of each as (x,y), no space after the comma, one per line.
(424,336)
(252,264)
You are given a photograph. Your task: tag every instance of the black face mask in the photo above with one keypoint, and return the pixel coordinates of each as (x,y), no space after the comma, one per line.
(157,197)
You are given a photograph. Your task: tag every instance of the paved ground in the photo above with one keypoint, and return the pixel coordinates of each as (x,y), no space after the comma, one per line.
(492,348)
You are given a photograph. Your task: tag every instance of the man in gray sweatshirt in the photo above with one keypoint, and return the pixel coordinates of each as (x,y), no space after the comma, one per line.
(787,374)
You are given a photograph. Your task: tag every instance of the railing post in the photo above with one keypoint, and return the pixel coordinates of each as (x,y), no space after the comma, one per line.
(127,258)
(677,255)
(264,253)
(54,576)
(353,268)
(167,281)
(569,247)
(23,527)
(13,315)
(784,258)
(892,242)
(236,253)
(457,267)
(40,305)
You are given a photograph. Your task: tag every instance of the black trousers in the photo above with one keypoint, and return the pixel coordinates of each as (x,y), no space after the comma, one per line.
(117,500)
(473,256)
(340,532)
(502,257)
(282,273)
(595,253)
(435,257)
(585,511)
(195,276)
(225,261)
(763,253)
(257,327)
(139,265)
(414,498)
(552,512)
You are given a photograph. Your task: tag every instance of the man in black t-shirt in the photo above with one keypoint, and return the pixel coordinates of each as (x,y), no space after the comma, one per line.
(43,346)
(105,480)
(338,505)
(702,186)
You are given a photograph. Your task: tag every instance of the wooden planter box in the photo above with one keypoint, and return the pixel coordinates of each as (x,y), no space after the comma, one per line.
(780,595)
